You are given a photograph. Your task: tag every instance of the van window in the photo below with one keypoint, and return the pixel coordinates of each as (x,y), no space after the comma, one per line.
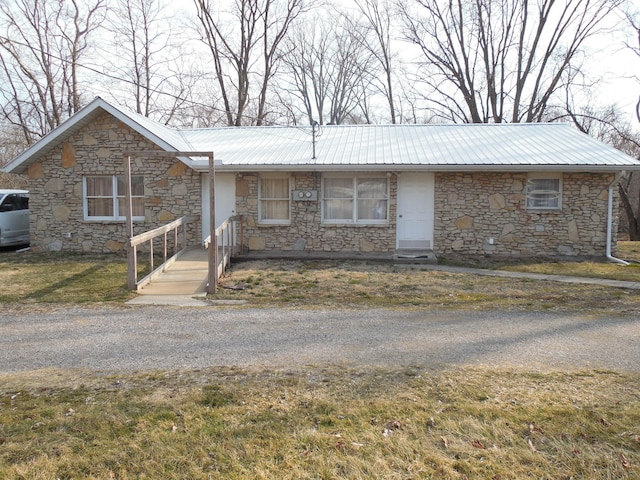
(23,202)
(10,203)
(13,202)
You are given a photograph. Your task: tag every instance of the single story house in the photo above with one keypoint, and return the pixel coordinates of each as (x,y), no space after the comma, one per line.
(476,189)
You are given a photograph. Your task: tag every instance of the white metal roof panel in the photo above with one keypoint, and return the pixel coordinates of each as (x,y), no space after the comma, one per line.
(169,135)
(428,146)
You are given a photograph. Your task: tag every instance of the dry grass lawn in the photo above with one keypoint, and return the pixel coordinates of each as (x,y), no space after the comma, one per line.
(33,279)
(320,423)
(629,251)
(371,284)
(349,285)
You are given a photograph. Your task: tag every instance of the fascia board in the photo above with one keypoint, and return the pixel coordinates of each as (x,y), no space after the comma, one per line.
(420,168)
(75,123)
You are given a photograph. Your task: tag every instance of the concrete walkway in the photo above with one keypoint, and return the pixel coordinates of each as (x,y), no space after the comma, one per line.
(534,276)
(183,283)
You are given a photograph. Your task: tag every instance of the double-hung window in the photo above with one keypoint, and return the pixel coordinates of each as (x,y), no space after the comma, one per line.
(355,199)
(104,197)
(275,198)
(544,192)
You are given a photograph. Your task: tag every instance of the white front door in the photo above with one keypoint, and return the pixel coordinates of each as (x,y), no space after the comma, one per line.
(414,229)
(225,200)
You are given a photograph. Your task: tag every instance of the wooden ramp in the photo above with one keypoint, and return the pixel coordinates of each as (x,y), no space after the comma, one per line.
(186,276)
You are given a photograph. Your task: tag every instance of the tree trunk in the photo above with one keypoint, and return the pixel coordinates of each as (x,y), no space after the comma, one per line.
(632,218)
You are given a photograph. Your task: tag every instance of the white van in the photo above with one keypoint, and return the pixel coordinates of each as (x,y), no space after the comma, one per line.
(14,217)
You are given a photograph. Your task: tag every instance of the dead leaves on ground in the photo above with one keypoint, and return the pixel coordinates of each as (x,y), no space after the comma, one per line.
(478,444)
(390,427)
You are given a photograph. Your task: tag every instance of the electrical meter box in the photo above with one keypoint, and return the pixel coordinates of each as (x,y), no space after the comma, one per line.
(305,195)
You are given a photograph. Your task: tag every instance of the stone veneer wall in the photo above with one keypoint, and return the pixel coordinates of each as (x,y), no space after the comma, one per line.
(172,190)
(306,231)
(471,208)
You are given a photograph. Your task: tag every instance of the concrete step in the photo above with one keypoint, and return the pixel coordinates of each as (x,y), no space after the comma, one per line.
(415,256)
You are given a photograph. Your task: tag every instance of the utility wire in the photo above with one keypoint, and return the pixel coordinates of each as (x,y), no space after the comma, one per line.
(124,80)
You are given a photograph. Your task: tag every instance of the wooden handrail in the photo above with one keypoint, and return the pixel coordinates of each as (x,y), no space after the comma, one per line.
(225,239)
(225,225)
(134,242)
(156,232)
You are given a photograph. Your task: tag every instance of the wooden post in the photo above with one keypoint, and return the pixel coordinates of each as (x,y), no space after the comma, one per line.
(213,245)
(164,254)
(175,241)
(132,261)
(224,247)
(241,239)
(151,269)
(184,236)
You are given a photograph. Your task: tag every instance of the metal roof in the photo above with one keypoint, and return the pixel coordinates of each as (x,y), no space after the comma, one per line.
(455,147)
(552,146)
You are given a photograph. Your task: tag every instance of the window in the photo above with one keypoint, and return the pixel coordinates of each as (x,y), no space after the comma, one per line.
(544,193)
(14,201)
(274,197)
(355,199)
(23,203)
(104,197)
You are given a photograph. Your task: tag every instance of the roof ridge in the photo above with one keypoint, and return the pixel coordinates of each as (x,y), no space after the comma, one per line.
(369,125)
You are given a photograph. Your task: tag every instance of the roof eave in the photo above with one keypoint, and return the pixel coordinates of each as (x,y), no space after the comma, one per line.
(413,167)
(73,124)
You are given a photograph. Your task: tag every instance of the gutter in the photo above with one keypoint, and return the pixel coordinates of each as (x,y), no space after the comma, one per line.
(435,168)
(610,221)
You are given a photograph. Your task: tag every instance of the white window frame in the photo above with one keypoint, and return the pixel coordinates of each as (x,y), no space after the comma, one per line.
(531,191)
(274,221)
(354,214)
(114,197)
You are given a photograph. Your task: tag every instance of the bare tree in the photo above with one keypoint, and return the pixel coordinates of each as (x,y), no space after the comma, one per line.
(219,39)
(352,70)
(138,39)
(629,189)
(41,45)
(373,22)
(500,60)
(246,42)
(330,72)
(298,83)
(12,143)
(608,125)
(150,71)
(630,185)
(276,24)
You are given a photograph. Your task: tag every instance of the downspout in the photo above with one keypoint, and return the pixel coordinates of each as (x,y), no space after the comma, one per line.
(610,221)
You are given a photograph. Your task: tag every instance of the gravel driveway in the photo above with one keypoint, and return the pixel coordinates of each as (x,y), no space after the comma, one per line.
(141,338)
